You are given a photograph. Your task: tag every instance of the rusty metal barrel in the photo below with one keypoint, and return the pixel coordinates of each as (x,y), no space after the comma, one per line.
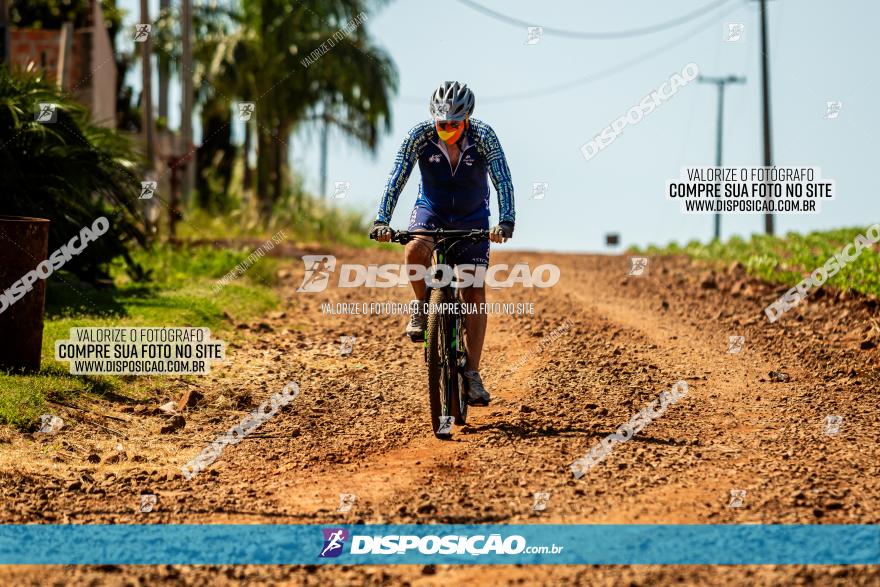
(24,244)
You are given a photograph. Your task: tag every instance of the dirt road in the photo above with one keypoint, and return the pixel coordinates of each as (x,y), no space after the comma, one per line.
(360,427)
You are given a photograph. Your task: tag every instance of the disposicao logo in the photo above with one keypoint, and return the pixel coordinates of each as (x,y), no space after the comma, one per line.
(319,268)
(394,544)
(334,540)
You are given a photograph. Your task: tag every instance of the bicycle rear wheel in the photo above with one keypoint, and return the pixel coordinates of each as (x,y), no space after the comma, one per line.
(442,368)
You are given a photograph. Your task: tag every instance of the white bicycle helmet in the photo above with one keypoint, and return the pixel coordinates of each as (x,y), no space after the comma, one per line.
(452,101)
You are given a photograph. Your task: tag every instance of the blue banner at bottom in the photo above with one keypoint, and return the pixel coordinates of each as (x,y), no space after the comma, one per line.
(563,544)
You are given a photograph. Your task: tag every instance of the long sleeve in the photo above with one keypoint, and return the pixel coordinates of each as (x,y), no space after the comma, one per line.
(499,172)
(406,159)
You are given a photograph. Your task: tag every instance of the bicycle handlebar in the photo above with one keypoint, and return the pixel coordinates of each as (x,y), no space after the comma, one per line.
(405,236)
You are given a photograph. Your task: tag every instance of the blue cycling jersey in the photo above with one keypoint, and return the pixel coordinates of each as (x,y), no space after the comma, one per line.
(458,194)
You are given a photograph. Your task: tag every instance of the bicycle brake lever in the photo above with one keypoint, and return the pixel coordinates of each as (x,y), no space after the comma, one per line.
(401,237)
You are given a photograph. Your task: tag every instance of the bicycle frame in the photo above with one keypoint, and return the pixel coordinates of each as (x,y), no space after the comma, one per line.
(448,360)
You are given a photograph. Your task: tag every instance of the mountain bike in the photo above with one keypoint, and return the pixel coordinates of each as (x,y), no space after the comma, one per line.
(445,352)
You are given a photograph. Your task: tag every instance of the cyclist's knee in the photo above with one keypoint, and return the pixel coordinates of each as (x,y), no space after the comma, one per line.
(418,252)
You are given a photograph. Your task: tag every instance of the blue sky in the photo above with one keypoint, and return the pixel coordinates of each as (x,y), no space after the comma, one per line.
(819,51)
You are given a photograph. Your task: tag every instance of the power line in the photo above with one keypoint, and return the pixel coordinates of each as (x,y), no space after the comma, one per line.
(593,77)
(599,35)
(600,75)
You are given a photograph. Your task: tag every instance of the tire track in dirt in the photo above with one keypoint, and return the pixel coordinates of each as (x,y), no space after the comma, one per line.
(360,426)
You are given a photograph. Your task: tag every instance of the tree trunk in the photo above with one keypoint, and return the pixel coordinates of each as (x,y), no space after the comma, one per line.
(277,178)
(248,178)
(215,158)
(264,166)
(280,140)
(284,134)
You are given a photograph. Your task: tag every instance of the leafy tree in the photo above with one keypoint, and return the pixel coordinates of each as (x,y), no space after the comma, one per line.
(70,171)
(48,14)
(352,80)
(255,55)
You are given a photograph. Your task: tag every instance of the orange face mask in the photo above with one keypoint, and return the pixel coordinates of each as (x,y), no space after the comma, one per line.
(450,132)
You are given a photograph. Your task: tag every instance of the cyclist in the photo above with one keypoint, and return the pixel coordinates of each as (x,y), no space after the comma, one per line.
(456,154)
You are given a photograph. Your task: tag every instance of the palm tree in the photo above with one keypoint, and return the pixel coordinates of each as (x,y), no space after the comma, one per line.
(215,158)
(262,62)
(254,54)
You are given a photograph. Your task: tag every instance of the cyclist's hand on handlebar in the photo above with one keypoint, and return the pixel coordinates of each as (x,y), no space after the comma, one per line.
(381,232)
(501,232)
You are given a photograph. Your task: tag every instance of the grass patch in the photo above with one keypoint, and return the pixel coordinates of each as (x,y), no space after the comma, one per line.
(180,293)
(304,219)
(786,260)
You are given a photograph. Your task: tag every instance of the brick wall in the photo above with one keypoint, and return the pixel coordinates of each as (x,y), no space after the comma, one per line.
(91,69)
(41,47)
(36,46)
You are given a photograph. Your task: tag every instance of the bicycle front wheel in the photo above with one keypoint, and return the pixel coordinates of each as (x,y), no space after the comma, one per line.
(442,368)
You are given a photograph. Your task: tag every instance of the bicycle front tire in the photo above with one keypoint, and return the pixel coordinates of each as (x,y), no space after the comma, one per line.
(442,373)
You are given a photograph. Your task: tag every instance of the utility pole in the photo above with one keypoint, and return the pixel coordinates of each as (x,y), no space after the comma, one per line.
(148,122)
(62,75)
(765,98)
(325,130)
(720,83)
(186,76)
(164,70)
(147,91)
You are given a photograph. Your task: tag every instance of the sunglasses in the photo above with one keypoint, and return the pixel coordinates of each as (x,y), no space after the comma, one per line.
(448,126)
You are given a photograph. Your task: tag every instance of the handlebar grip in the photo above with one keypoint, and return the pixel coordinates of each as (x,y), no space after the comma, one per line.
(393,234)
